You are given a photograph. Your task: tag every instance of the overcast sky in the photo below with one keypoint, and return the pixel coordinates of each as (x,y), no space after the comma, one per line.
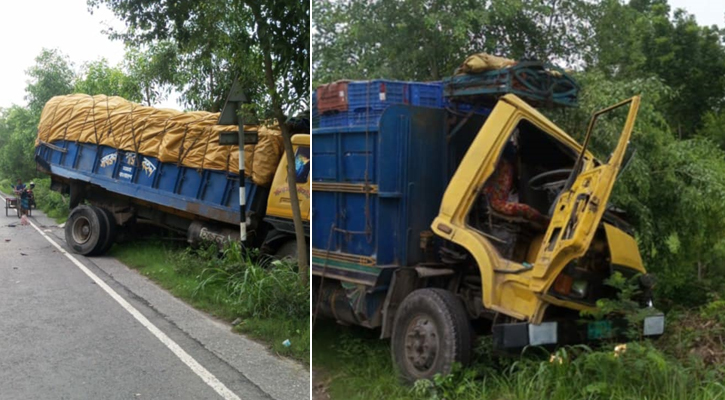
(28,26)
(707,12)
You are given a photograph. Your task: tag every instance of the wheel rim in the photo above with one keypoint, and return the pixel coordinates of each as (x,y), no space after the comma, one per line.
(421,343)
(81,230)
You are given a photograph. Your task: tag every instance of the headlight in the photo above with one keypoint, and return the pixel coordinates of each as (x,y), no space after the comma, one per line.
(579,289)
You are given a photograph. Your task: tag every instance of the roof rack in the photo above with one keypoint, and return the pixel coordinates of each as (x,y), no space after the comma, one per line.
(540,84)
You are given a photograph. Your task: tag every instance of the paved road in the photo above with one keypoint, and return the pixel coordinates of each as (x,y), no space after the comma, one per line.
(63,335)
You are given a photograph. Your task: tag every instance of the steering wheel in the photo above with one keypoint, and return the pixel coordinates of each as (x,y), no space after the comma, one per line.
(552,182)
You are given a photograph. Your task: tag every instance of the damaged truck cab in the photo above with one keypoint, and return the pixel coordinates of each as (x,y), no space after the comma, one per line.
(551,270)
(448,223)
(523,288)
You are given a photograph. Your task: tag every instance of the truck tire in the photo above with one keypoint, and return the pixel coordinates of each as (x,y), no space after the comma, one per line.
(288,249)
(110,236)
(431,332)
(85,230)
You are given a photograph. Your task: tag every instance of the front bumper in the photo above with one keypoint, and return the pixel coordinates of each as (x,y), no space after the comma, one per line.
(518,335)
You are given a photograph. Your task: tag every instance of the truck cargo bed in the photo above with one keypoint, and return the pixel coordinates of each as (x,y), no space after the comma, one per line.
(212,195)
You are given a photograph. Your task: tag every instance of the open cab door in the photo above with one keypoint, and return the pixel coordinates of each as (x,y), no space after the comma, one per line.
(576,213)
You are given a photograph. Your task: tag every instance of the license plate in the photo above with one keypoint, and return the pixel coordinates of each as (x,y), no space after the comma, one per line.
(599,330)
(654,325)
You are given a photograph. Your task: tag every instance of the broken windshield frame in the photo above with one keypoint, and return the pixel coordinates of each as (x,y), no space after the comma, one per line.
(578,165)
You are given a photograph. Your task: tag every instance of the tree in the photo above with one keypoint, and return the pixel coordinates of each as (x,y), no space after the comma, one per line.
(641,39)
(98,77)
(153,69)
(18,127)
(197,47)
(282,33)
(427,39)
(265,45)
(415,39)
(52,75)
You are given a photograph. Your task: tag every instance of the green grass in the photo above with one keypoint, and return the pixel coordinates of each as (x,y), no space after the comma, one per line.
(269,299)
(360,367)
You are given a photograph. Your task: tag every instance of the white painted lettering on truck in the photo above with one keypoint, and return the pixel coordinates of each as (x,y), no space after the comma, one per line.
(108,160)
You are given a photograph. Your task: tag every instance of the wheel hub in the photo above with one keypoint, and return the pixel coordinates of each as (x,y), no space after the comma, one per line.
(421,343)
(81,230)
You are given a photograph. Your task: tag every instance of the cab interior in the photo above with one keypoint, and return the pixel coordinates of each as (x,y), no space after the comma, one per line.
(541,166)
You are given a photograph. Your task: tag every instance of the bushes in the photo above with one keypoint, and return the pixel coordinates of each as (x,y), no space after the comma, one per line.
(50,202)
(641,370)
(256,286)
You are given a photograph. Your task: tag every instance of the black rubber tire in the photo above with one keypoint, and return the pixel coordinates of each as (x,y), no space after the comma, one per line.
(85,243)
(288,249)
(443,315)
(110,236)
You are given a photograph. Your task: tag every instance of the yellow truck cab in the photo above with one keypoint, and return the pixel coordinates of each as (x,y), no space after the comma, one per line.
(279,212)
(522,285)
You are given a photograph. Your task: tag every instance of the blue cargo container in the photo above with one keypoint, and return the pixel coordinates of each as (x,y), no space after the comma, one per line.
(377,189)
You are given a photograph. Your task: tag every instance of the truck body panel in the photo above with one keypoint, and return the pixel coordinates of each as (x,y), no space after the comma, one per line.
(376,189)
(211,195)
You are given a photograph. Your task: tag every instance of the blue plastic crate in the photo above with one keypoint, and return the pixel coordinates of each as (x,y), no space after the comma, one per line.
(366,118)
(376,94)
(429,94)
(334,119)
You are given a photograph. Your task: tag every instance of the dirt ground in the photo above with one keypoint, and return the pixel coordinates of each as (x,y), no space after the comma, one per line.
(320,382)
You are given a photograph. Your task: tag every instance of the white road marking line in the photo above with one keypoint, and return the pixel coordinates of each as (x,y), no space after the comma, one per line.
(194,365)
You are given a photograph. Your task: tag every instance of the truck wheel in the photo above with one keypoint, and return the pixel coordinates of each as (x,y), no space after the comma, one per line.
(85,230)
(431,332)
(288,249)
(110,233)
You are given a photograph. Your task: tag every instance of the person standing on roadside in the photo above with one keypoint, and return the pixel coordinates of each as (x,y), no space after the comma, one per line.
(20,186)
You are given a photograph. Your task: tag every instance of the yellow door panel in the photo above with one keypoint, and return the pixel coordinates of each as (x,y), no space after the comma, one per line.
(582,202)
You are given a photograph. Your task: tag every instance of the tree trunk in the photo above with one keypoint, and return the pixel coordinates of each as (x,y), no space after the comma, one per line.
(271,82)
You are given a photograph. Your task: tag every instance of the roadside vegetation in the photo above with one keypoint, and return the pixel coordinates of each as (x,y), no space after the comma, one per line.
(672,191)
(355,364)
(263,297)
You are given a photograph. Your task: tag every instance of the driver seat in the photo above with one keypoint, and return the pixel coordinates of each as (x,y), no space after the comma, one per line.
(511,233)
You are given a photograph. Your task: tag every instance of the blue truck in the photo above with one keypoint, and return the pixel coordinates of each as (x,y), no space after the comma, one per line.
(111,188)
(405,238)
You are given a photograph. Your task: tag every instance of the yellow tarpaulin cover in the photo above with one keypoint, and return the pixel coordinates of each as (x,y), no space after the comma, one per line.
(190,139)
(483,62)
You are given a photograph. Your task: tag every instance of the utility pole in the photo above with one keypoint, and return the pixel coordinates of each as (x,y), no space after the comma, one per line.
(230,116)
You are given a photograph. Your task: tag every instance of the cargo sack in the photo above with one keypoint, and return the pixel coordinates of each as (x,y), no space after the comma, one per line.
(188,139)
(483,62)
(267,153)
(332,97)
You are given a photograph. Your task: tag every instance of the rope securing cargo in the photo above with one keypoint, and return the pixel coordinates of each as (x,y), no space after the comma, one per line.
(189,139)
